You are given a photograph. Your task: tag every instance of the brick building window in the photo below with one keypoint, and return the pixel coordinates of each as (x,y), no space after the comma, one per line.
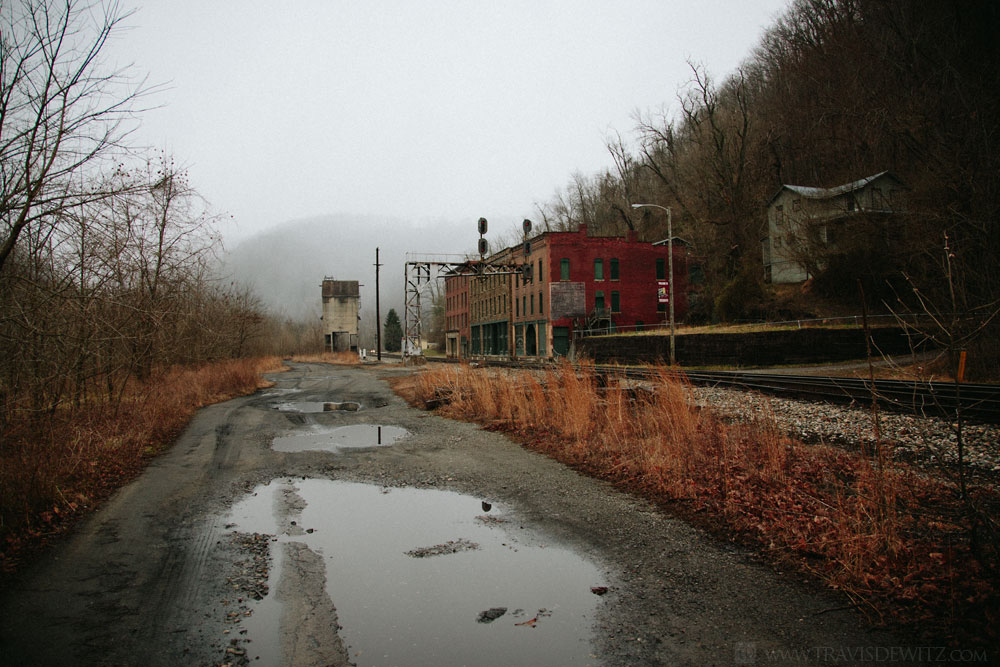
(616,302)
(598,269)
(564,268)
(541,310)
(532,311)
(598,300)
(614,268)
(540,279)
(661,268)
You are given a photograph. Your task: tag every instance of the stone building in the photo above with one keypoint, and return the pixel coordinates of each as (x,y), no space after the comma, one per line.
(490,309)
(341,305)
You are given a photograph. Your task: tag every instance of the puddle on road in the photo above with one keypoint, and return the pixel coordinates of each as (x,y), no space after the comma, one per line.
(299,406)
(317,406)
(341,437)
(277,391)
(502,598)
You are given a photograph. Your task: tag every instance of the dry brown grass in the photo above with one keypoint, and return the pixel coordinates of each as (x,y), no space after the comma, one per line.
(890,538)
(58,467)
(339,358)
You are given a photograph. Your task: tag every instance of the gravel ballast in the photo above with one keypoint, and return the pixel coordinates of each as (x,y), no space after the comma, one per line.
(924,441)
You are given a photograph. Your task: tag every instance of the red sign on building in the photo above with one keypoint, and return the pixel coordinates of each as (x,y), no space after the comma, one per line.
(663,291)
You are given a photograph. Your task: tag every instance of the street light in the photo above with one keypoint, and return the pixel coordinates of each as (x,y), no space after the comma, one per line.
(670,271)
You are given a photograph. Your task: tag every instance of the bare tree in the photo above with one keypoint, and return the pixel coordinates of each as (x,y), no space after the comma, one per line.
(60,110)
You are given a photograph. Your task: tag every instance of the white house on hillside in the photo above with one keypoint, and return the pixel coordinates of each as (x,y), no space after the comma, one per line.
(801,219)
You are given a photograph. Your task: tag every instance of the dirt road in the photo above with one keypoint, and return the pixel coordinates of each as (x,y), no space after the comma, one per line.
(279,532)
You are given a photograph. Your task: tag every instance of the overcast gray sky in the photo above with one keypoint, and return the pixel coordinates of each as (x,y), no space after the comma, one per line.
(421,110)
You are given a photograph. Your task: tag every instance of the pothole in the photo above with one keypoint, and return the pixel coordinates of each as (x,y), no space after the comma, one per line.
(317,406)
(341,437)
(484,593)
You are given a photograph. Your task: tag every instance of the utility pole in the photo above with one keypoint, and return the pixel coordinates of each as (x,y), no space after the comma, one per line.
(670,271)
(378,313)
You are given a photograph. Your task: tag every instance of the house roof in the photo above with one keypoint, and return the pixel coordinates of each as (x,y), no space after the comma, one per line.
(677,240)
(837,190)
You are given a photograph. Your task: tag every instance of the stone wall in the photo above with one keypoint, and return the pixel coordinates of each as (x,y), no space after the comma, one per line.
(763,348)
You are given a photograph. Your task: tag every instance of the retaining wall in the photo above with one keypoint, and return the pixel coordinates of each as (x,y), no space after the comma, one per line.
(763,348)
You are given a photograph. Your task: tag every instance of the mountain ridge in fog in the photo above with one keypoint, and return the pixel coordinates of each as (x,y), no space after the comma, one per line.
(285,265)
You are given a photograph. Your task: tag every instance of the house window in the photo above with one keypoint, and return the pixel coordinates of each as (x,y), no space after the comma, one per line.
(661,268)
(616,302)
(598,300)
(598,269)
(564,268)
(797,205)
(614,269)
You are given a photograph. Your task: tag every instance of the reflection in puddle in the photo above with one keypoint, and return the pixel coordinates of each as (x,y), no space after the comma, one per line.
(277,391)
(299,406)
(343,437)
(510,601)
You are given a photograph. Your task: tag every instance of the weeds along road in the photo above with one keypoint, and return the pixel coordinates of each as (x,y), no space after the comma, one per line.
(274,532)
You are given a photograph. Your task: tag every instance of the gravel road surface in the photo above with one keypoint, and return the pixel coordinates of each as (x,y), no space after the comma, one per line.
(443,542)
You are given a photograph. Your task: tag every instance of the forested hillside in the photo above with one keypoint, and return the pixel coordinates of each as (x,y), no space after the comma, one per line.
(106,250)
(837,90)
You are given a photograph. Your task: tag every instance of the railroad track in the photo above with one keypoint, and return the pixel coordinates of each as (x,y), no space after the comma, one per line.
(979,402)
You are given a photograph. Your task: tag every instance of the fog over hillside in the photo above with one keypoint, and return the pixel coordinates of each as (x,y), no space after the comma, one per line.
(286,264)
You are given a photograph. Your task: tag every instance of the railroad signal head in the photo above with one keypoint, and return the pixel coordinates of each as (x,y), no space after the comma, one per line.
(527,248)
(527,226)
(482,226)
(483,246)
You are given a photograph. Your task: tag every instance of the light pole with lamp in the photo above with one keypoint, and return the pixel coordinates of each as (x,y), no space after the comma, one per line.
(670,271)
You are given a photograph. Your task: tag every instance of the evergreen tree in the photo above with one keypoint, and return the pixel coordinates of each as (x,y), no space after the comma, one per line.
(392,332)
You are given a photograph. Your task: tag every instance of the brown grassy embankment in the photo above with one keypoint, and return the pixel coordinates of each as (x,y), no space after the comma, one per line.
(57,467)
(897,543)
(338,358)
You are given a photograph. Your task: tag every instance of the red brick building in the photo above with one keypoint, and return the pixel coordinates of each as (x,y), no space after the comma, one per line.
(571,281)
(456,289)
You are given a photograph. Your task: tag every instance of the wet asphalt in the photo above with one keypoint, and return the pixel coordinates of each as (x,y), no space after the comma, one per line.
(275,531)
